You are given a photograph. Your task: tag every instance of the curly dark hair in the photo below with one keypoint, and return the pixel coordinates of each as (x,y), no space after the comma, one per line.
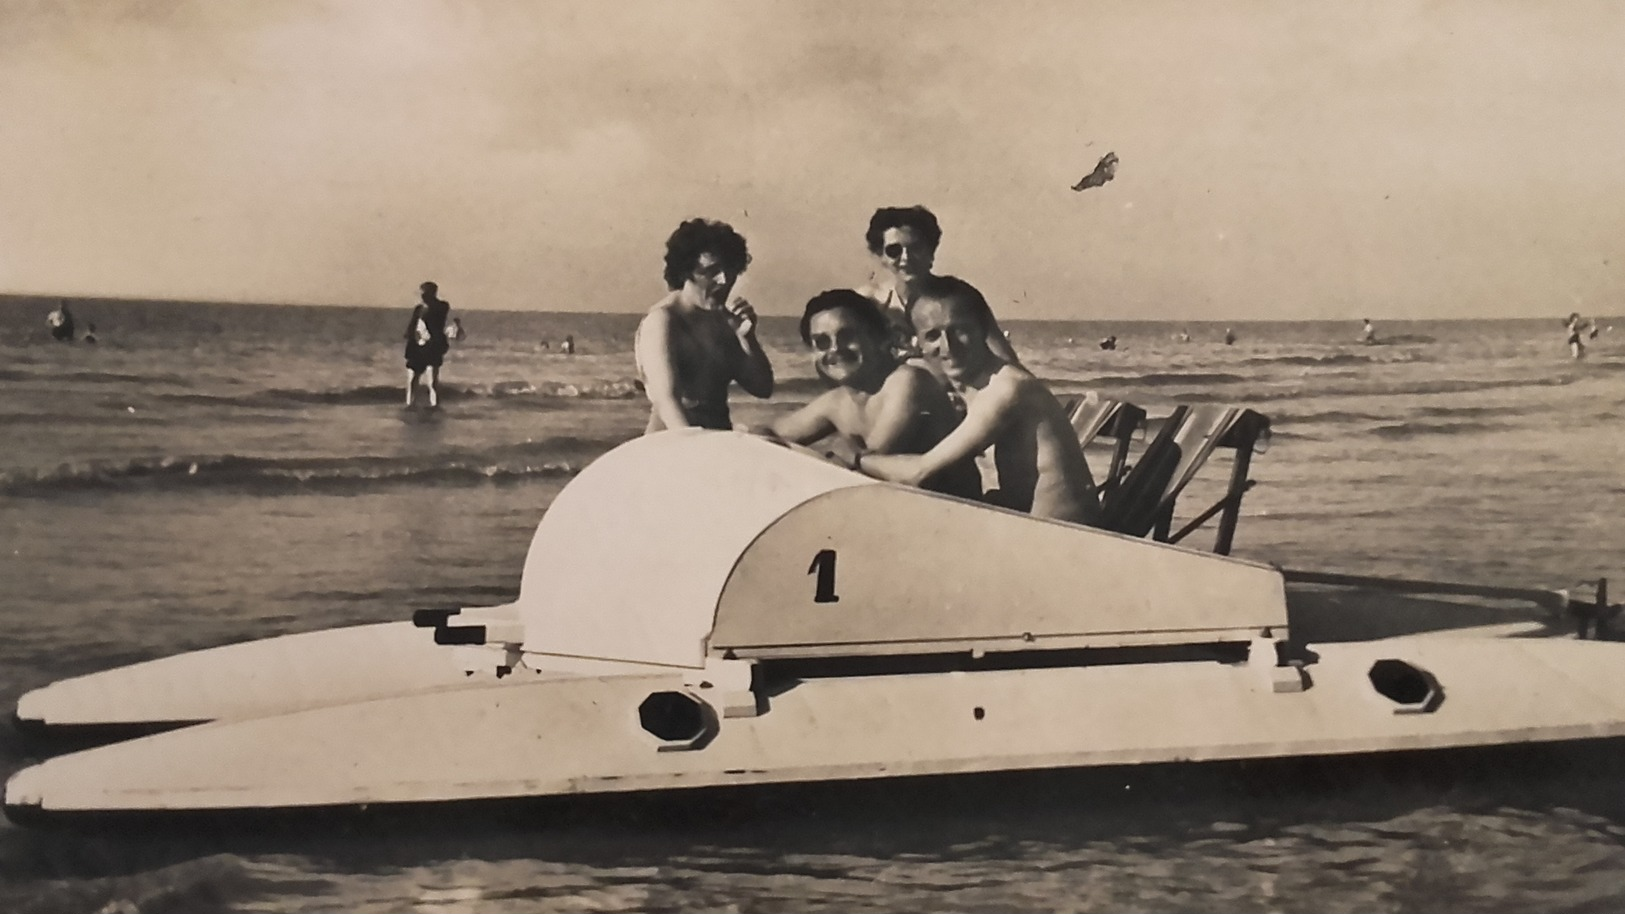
(700,236)
(859,304)
(917,218)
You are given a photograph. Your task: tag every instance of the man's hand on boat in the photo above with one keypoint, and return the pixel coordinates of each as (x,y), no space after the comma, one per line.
(761,431)
(841,450)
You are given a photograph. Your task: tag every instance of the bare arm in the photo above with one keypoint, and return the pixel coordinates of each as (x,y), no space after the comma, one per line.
(986,418)
(809,423)
(906,403)
(654,356)
(755,371)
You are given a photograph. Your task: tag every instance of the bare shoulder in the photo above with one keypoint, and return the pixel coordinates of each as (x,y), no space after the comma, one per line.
(664,308)
(660,316)
(909,381)
(1016,381)
(1012,381)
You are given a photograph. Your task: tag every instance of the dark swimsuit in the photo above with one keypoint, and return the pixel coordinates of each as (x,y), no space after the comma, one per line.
(700,413)
(431,354)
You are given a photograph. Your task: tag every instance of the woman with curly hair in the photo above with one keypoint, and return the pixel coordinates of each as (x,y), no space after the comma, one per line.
(698,339)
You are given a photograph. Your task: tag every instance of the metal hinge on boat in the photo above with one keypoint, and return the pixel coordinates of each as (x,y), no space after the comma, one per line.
(1281,663)
(495,647)
(729,685)
(1594,620)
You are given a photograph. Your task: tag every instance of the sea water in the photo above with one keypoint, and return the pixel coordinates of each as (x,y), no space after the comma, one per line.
(206,474)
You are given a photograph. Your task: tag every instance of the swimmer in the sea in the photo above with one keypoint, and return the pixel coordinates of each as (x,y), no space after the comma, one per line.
(61,322)
(1578,333)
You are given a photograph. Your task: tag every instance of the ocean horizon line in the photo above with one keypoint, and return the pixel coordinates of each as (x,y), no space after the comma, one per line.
(11,301)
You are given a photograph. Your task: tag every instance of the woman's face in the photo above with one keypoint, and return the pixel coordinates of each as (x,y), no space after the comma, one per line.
(713,279)
(906,253)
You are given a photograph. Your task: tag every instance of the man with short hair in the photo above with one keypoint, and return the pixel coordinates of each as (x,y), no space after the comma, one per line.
(876,404)
(697,340)
(1040,462)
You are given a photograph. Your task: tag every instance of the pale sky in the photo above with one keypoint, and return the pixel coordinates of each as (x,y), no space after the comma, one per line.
(1291,159)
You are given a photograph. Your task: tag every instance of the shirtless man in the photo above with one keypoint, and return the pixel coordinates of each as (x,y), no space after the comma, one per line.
(1039,460)
(877,405)
(696,341)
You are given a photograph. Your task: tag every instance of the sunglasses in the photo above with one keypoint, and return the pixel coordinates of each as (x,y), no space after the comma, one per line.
(894,251)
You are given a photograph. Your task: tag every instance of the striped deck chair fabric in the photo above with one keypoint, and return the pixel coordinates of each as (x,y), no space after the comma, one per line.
(1091,414)
(1169,462)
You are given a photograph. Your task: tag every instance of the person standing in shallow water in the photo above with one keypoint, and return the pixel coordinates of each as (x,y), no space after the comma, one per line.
(699,339)
(426,343)
(1578,334)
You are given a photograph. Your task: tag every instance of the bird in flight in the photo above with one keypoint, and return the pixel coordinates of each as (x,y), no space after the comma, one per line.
(1105,170)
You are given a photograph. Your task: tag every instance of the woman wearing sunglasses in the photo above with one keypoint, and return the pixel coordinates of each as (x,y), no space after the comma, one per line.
(904,239)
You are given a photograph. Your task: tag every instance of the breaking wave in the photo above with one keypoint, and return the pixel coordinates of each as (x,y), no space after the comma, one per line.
(549,458)
(1339,358)
(1164,379)
(1328,417)
(1404,430)
(374,394)
(91,377)
(1424,387)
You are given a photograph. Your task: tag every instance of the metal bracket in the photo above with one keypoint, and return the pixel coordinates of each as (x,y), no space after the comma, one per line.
(1594,620)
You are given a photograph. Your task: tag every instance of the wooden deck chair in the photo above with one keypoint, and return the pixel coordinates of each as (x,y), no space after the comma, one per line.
(1143,503)
(1093,416)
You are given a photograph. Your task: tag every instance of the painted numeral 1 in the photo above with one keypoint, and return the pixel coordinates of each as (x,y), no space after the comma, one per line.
(824,564)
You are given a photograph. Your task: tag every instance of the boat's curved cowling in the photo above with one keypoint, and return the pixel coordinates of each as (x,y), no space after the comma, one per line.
(691,543)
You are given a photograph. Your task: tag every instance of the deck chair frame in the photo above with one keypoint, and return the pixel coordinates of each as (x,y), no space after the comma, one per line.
(1140,499)
(1119,420)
